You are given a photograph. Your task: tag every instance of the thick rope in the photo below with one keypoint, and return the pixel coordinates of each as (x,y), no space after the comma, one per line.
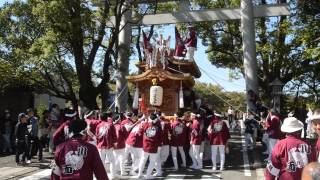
(118,96)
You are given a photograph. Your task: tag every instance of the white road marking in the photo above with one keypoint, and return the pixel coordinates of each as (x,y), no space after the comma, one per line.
(246,164)
(260,174)
(175,176)
(212,177)
(39,175)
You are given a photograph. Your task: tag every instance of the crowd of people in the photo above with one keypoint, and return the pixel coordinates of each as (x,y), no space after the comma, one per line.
(117,138)
(101,143)
(125,137)
(21,136)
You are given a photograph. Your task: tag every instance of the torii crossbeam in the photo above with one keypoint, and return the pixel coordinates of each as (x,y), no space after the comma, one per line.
(207,15)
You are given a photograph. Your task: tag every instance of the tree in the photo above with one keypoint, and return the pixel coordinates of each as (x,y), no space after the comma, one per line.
(67,42)
(280,42)
(9,78)
(310,35)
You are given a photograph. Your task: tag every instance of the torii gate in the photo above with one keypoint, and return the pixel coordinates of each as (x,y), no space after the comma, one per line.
(247,12)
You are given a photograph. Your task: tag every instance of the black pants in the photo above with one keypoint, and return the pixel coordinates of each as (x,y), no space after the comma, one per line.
(230,118)
(21,148)
(34,146)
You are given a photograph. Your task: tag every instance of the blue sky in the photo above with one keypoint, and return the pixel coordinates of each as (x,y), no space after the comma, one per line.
(220,76)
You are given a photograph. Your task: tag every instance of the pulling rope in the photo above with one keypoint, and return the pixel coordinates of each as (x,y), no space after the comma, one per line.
(223,100)
(238,109)
(223,79)
(118,96)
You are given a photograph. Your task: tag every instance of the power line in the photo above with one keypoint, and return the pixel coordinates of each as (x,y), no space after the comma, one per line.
(215,93)
(222,99)
(224,79)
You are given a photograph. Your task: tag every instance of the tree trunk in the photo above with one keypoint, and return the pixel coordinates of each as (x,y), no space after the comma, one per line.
(130,101)
(88,96)
(104,97)
(87,92)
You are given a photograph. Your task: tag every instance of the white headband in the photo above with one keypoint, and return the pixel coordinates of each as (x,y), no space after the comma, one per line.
(218,115)
(83,132)
(196,115)
(87,115)
(71,115)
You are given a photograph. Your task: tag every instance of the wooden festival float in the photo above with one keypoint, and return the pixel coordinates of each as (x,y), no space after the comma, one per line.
(167,76)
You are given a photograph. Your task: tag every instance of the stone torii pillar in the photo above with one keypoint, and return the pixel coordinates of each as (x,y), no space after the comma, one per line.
(249,50)
(123,59)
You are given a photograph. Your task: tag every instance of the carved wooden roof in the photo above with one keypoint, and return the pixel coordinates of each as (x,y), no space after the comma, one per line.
(162,75)
(185,66)
(177,65)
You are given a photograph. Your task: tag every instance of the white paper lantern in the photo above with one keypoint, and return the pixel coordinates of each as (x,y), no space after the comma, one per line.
(156,94)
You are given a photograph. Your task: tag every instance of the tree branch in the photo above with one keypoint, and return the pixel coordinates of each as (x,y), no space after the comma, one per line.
(101,33)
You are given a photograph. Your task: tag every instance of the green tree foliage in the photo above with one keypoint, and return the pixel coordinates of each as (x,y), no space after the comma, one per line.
(310,37)
(285,46)
(63,46)
(9,77)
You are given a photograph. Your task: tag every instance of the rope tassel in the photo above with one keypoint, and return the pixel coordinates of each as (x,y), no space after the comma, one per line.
(181,101)
(135,104)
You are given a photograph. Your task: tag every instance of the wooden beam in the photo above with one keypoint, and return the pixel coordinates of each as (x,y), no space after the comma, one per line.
(209,15)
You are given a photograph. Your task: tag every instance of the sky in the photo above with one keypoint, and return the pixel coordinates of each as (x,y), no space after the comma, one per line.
(216,76)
